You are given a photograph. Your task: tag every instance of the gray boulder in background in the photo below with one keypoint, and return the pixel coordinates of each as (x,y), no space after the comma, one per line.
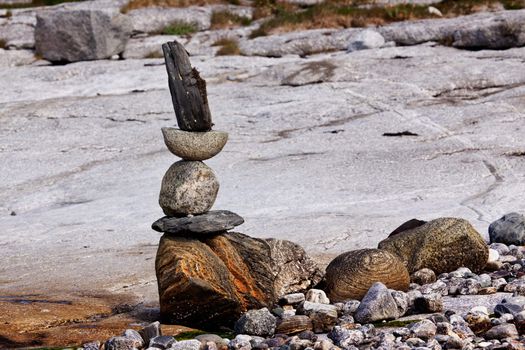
(509,229)
(80,34)
(367,39)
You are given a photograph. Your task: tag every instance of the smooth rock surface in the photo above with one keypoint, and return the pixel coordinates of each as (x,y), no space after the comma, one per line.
(154,20)
(351,274)
(207,223)
(80,35)
(194,145)
(441,245)
(318,180)
(188,187)
(509,229)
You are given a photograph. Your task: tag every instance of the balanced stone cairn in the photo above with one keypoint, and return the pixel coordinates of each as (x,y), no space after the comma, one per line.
(207,277)
(189,187)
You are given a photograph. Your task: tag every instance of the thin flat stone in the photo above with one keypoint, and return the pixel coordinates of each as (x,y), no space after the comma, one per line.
(210,222)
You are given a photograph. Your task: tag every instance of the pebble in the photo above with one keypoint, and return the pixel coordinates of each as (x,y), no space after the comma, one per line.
(317,296)
(256,322)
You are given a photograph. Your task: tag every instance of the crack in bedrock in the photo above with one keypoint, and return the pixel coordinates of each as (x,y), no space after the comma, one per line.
(498,180)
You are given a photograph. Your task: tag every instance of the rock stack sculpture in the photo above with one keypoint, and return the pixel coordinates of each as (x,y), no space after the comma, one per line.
(207,277)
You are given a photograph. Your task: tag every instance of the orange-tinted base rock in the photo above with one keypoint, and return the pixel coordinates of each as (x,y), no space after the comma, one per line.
(209,283)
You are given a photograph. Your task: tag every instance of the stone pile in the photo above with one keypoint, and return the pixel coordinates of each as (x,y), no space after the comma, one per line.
(207,277)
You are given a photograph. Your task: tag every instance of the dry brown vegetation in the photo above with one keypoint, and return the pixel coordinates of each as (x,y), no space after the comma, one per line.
(226,19)
(348,13)
(228,47)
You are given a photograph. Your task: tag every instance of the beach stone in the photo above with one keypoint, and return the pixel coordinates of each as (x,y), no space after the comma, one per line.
(507,308)
(377,304)
(502,331)
(73,35)
(256,322)
(350,307)
(188,187)
(423,276)
(162,342)
(208,223)
(292,299)
(501,248)
(294,324)
(493,255)
(345,338)
(133,334)
(190,145)
(429,303)
(317,296)
(351,274)
(323,316)
(151,331)
(509,229)
(366,39)
(192,344)
(424,329)
(121,343)
(241,342)
(442,245)
(402,301)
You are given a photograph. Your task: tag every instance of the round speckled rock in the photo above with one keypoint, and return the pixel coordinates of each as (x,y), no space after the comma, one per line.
(194,145)
(188,187)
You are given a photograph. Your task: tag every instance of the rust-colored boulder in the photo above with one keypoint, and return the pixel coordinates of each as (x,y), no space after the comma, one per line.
(191,279)
(442,245)
(351,274)
(209,282)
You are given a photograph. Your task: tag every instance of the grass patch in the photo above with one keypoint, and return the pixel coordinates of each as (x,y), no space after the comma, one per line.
(227,19)
(344,14)
(155,54)
(179,28)
(228,47)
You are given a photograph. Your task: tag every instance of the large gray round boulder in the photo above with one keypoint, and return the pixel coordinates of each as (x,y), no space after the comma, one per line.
(351,274)
(70,35)
(188,187)
(442,245)
(509,229)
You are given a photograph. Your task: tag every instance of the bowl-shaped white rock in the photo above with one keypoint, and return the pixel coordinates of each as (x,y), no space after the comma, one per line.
(188,187)
(190,145)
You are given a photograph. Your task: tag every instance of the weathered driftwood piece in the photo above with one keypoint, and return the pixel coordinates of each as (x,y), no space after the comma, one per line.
(187,88)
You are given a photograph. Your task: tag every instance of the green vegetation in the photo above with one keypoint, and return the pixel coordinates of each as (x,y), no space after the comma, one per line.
(226,19)
(179,28)
(228,47)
